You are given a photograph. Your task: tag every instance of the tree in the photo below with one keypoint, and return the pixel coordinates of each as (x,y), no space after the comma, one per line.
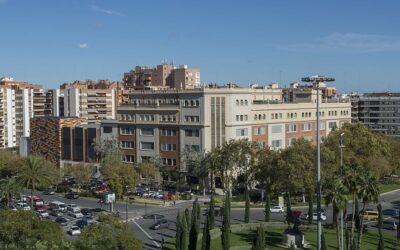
(195,227)
(179,231)
(149,171)
(368,192)
(10,164)
(211,213)
(206,240)
(323,241)
(185,234)
(259,242)
(121,177)
(226,224)
(188,218)
(81,172)
(20,229)
(36,172)
(109,234)
(381,244)
(9,187)
(289,214)
(336,195)
(310,209)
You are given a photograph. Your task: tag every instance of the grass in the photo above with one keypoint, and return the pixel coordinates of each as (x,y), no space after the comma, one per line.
(274,236)
(388,187)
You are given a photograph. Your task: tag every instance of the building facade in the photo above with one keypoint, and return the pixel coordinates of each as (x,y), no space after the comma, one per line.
(17,107)
(380,112)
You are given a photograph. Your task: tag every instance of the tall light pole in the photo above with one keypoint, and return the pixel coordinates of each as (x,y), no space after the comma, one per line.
(316,80)
(341,209)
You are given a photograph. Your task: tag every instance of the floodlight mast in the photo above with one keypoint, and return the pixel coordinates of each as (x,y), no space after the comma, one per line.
(316,80)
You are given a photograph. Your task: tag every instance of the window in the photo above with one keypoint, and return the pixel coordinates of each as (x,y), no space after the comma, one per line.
(168,147)
(332,125)
(147,131)
(308,138)
(322,126)
(127,144)
(192,133)
(192,118)
(259,131)
(276,143)
(237,118)
(290,141)
(245,102)
(107,130)
(195,148)
(291,128)
(128,158)
(307,127)
(276,129)
(169,162)
(127,130)
(241,117)
(241,132)
(147,146)
(168,132)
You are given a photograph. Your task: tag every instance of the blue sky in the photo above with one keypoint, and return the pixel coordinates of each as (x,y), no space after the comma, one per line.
(52,42)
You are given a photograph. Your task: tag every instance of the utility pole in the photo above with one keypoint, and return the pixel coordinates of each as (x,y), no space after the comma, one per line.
(316,80)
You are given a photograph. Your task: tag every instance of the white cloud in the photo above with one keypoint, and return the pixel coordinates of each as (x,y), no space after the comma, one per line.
(105,11)
(348,42)
(83,45)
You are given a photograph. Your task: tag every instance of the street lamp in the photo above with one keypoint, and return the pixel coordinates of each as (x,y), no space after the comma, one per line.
(316,80)
(341,209)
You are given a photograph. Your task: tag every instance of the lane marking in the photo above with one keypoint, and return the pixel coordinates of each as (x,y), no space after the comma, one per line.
(151,238)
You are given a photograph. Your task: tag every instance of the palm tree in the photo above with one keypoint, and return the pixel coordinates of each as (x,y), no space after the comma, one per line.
(368,192)
(8,188)
(335,195)
(35,173)
(352,180)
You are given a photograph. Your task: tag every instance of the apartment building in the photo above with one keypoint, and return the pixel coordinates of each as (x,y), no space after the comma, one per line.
(163,76)
(164,123)
(16,109)
(380,112)
(90,100)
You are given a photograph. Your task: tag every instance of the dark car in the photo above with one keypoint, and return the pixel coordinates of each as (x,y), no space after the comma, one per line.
(72,196)
(48,192)
(82,223)
(87,213)
(160,224)
(98,210)
(62,221)
(391,212)
(56,213)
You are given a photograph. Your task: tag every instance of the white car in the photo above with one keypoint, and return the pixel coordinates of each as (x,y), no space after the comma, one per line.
(74,230)
(24,206)
(76,215)
(315,215)
(73,208)
(276,209)
(43,214)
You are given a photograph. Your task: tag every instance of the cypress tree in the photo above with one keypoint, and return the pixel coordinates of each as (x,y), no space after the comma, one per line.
(178,237)
(289,214)
(185,234)
(310,209)
(259,242)
(195,226)
(198,216)
(206,241)
(211,213)
(381,244)
(323,241)
(187,217)
(226,227)
(247,207)
(267,207)
(357,215)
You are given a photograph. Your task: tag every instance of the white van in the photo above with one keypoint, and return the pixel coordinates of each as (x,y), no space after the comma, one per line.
(58,205)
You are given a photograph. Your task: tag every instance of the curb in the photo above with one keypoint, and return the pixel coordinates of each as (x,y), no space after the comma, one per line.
(390,192)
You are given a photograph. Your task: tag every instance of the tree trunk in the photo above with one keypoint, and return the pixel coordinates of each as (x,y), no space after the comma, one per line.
(337,231)
(310,208)
(267,207)
(247,206)
(352,219)
(360,233)
(32,198)
(204,187)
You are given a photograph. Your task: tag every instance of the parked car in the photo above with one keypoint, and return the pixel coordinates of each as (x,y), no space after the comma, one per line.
(62,221)
(391,212)
(58,205)
(72,196)
(74,230)
(276,209)
(56,213)
(42,214)
(49,192)
(23,206)
(314,216)
(73,208)
(389,224)
(42,207)
(82,223)
(370,215)
(76,215)
(160,224)
(87,213)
